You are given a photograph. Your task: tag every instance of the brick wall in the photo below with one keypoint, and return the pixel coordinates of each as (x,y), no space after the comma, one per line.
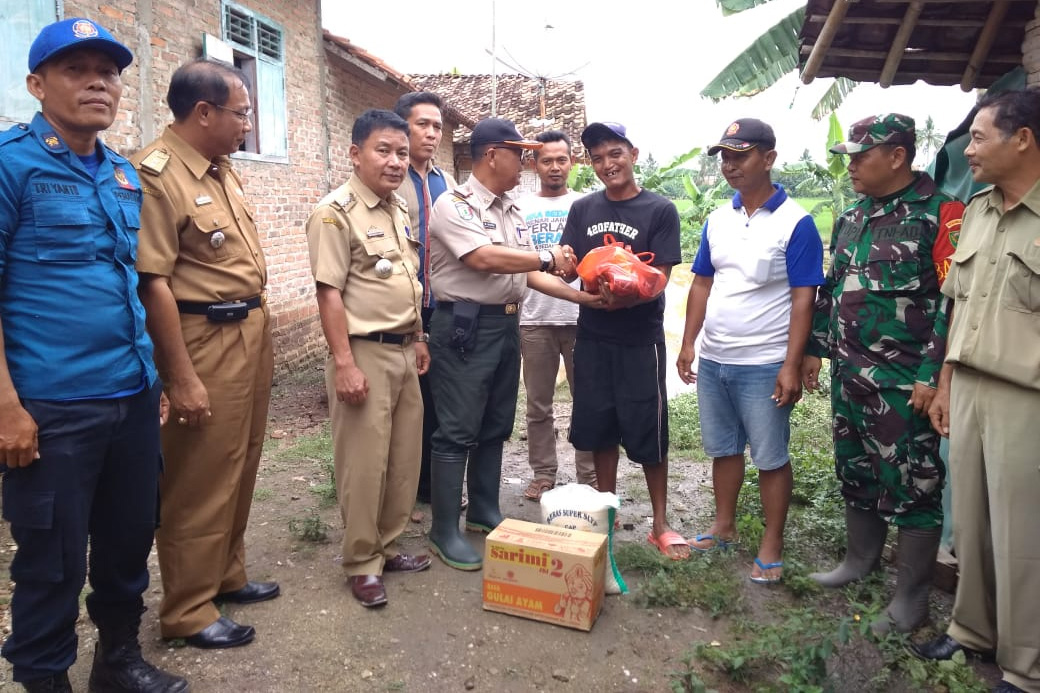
(165,33)
(351,91)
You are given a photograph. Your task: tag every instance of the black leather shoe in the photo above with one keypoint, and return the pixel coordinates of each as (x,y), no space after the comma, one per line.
(944,647)
(368,589)
(1006,687)
(221,634)
(251,593)
(404,563)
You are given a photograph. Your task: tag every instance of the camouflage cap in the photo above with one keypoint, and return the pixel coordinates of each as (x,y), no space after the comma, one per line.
(888,128)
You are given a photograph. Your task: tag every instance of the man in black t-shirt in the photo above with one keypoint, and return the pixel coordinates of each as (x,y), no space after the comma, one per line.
(619,354)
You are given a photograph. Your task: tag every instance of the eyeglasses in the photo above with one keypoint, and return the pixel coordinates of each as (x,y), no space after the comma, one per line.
(244,116)
(522,153)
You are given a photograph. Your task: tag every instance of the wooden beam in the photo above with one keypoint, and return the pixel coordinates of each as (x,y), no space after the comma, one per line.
(939,2)
(907,76)
(900,42)
(896,21)
(997,12)
(917,55)
(824,40)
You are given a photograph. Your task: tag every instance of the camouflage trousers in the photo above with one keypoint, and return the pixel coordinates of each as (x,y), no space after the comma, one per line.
(886,456)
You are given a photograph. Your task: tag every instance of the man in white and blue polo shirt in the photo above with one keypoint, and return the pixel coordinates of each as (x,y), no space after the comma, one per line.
(757,269)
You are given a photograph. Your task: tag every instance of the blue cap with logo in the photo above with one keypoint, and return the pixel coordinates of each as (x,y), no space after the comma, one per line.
(76,32)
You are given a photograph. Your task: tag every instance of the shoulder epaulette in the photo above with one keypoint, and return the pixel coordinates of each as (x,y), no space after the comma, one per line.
(461,194)
(156,161)
(985,191)
(345,199)
(399,201)
(17,132)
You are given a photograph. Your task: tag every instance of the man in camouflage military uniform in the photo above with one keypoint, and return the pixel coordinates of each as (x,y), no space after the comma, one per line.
(880,319)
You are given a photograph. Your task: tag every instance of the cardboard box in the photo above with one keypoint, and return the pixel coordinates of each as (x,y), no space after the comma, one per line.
(545,573)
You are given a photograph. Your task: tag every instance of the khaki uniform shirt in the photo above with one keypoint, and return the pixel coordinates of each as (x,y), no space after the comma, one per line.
(196,227)
(349,232)
(994,280)
(467,218)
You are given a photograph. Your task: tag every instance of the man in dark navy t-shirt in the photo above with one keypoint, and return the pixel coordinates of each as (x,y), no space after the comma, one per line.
(619,355)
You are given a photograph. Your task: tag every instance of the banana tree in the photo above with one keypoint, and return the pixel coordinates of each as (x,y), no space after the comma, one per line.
(769,57)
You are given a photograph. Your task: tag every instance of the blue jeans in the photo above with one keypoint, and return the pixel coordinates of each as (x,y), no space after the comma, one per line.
(737,409)
(97,477)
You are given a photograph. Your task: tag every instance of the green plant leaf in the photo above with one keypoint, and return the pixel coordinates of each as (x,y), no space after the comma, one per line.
(771,56)
(835,134)
(833,97)
(734,6)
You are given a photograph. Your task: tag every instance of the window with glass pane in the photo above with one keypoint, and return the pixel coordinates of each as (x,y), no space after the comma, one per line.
(20,22)
(259,49)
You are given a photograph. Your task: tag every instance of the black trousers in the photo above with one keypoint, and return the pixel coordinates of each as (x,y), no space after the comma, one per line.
(97,479)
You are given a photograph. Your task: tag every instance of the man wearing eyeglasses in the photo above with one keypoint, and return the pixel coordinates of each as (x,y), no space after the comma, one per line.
(202,283)
(482,261)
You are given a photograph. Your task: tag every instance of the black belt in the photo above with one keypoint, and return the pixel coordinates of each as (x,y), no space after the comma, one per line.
(385,337)
(487,308)
(195,308)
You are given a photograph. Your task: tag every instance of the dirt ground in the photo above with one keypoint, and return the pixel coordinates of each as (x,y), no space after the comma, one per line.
(433,635)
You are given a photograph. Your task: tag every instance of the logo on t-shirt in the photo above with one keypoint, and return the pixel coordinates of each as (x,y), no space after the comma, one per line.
(612,227)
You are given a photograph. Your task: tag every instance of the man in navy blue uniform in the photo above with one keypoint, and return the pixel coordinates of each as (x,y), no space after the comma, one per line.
(79,398)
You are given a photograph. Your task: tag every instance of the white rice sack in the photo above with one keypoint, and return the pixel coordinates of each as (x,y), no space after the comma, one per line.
(581,507)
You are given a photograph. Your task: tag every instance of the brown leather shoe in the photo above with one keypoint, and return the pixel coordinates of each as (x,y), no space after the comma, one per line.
(403,563)
(368,589)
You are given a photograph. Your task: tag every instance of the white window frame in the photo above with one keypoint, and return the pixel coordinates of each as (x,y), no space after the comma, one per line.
(259,51)
(20,22)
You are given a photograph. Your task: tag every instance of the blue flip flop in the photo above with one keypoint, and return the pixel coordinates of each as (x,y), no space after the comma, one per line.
(762,580)
(719,545)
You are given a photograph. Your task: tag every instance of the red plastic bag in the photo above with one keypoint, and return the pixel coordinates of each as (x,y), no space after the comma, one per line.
(625,273)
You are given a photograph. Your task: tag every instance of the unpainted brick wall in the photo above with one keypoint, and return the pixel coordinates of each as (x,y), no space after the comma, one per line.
(163,34)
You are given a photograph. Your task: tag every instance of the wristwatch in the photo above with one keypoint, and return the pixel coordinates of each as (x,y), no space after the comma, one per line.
(422,337)
(548,261)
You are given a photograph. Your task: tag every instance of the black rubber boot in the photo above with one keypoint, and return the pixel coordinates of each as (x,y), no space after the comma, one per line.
(915,562)
(446,540)
(59,683)
(866,534)
(484,480)
(118,664)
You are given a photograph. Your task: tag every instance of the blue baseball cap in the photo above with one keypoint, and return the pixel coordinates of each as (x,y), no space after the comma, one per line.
(602,132)
(76,32)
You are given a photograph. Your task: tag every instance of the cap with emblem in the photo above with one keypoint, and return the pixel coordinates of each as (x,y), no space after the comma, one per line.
(76,32)
(744,134)
(888,128)
(500,131)
(595,133)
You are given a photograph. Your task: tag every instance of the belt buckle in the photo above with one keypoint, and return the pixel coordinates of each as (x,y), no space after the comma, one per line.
(511,308)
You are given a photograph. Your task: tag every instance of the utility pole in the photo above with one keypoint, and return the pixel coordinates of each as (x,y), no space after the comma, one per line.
(494,66)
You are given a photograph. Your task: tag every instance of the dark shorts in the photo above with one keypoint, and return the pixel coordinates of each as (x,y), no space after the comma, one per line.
(620,398)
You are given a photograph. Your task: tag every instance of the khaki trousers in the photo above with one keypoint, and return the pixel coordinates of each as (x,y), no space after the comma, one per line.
(995,471)
(207,484)
(377,449)
(541,347)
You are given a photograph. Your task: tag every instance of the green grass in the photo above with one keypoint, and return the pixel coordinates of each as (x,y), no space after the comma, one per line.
(800,640)
(318,451)
(824,219)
